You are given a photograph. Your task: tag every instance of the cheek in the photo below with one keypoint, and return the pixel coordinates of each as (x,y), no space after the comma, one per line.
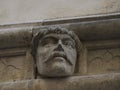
(43,52)
(71,54)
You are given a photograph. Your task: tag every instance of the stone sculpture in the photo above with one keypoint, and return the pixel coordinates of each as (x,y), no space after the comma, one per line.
(56,51)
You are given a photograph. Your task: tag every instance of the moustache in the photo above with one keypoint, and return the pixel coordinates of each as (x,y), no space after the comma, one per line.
(58,54)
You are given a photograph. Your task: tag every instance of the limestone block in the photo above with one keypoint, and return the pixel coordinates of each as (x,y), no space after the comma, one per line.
(15,11)
(22,85)
(15,66)
(15,37)
(93,82)
(104,61)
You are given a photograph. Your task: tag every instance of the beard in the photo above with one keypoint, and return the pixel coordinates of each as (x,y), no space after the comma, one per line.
(57,69)
(54,64)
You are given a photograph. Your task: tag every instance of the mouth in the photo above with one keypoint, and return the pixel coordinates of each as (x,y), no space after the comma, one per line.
(59,59)
(58,56)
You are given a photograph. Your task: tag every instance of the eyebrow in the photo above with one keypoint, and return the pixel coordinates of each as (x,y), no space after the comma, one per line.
(47,37)
(68,39)
(56,37)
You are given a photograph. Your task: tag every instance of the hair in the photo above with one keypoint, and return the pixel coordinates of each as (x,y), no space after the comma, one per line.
(57,30)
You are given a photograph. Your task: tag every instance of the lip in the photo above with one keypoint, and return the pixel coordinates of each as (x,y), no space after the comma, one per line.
(60,55)
(58,58)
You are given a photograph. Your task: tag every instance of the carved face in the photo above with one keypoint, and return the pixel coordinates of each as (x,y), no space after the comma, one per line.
(56,55)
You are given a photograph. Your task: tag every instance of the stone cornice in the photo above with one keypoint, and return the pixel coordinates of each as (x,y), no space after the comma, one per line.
(93,82)
(96,27)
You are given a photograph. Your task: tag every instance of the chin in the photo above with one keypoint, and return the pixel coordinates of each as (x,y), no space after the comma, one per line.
(58,70)
(59,73)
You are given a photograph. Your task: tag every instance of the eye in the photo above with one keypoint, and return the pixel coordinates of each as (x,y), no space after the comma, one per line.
(48,42)
(69,44)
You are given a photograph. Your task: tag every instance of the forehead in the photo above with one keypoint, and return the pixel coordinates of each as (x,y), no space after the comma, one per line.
(58,36)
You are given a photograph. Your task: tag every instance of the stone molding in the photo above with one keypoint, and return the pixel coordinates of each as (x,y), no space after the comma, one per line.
(99,27)
(97,33)
(93,82)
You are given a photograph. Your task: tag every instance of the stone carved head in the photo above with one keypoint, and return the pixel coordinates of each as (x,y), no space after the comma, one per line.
(56,51)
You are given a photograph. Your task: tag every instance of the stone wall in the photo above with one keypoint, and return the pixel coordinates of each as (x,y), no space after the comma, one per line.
(98,66)
(16,11)
(99,82)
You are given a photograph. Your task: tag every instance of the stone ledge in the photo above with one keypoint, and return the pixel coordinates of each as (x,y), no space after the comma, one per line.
(93,82)
(15,37)
(104,27)
(81,19)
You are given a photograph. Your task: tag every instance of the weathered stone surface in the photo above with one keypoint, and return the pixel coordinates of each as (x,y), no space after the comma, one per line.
(107,29)
(56,51)
(103,61)
(15,11)
(15,37)
(15,65)
(94,82)
(21,85)
(81,64)
(100,36)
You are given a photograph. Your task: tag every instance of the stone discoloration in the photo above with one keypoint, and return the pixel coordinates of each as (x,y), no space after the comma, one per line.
(101,36)
(15,37)
(56,51)
(16,64)
(104,61)
(39,9)
(94,82)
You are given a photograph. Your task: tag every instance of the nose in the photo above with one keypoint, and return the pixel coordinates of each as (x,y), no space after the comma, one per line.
(59,46)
